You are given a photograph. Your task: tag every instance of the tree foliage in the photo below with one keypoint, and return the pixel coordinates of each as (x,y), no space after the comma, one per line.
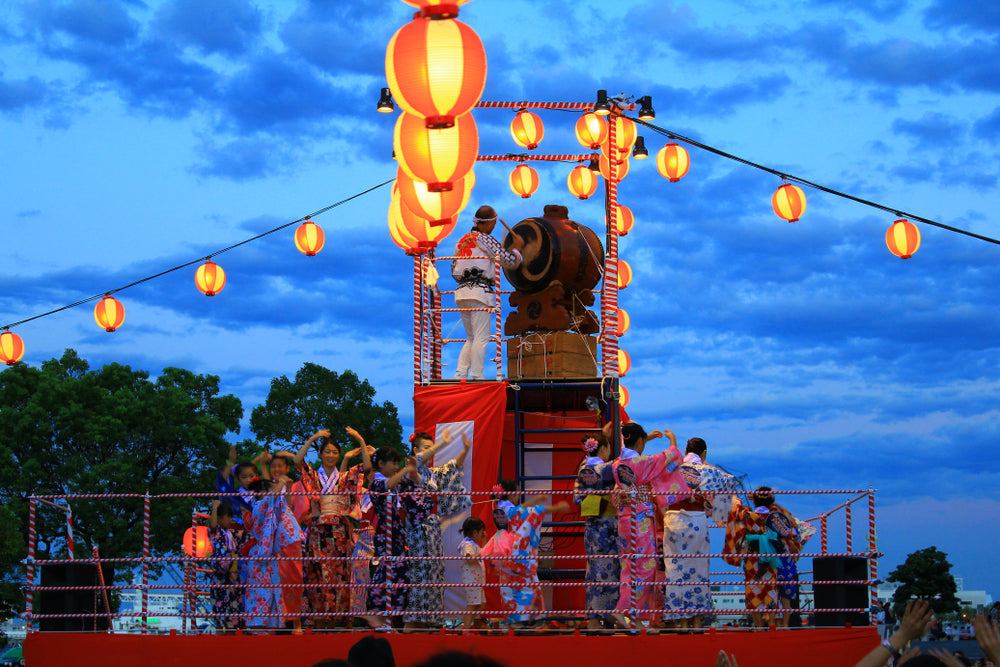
(66,429)
(926,574)
(320,398)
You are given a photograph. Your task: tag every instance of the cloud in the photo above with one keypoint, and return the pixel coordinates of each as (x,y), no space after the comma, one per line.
(228,27)
(948,14)
(93,22)
(884,10)
(342,37)
(933,131)
(18,95)
(988,127)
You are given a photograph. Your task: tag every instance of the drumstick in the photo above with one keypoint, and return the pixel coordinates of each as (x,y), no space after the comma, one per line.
(506,226)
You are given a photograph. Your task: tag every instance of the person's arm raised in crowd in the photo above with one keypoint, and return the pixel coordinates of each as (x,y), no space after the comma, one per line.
(363,449)
(987,637)
(466,445)
(300,455)
(230,462)
(917,619)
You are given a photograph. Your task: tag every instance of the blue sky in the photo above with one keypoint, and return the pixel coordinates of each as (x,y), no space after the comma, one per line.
(141,135)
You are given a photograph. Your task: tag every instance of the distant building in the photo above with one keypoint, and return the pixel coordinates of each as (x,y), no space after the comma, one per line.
(976,599)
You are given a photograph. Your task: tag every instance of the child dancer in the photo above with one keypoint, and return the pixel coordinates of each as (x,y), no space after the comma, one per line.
(473,570)
(273,528)
(235,478)
(519,587)
(747,533)
(385,594)
(227,538)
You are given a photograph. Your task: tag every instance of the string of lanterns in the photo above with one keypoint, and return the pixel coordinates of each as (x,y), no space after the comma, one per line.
(210,278)
(435,66)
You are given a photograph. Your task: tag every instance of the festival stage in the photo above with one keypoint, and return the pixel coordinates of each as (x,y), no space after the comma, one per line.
(829,647)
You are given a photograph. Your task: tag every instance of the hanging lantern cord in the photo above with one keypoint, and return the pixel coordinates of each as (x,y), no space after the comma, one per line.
(97,297)
(801,181)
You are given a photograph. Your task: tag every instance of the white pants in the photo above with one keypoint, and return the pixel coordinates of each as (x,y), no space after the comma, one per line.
(477,334)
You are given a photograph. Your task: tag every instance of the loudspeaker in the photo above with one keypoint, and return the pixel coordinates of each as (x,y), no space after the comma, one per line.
(840,596)
(73,602)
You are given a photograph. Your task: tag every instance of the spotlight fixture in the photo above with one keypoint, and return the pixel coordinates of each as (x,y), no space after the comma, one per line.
(639,152)
(385,104)
(602,108)
(646,108)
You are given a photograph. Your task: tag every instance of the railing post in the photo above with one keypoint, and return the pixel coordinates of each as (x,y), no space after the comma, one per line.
(872,552)
(497,330)
(849,529)
(30,565)
(823,540)
(145,562)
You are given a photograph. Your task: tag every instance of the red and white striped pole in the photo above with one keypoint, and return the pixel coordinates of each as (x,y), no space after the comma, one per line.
(145,562)
(872,551)
(30,563)
(609,292)
(497,332)
(822,536)
(417,321)
(849,528)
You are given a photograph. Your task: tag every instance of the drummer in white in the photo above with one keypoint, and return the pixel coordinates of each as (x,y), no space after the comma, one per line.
(474,273)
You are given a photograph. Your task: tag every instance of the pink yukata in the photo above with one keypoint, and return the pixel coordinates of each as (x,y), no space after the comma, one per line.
(641,482)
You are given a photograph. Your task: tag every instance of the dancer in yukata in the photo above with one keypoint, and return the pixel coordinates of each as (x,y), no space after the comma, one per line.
(272,528)
(518,573)
(641,481)
(386,596)
(600,536)
(423,526)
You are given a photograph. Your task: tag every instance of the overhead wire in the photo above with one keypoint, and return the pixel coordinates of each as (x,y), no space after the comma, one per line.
(201,258)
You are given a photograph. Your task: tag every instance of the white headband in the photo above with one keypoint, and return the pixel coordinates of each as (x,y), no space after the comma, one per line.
(476,219)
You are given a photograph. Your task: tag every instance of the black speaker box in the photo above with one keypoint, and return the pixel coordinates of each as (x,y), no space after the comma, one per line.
(840,596)
(73,602)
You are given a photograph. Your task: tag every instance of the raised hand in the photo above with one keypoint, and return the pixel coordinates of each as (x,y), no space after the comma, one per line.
(988,637)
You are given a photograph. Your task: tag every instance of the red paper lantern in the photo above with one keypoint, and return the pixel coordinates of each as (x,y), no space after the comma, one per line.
(591,130)
(903,238)
(437,157)
(414,234)
(789,202)
(623,322)
(527,130)
(582,182)
(624,363)
(623,396)
(436,207)
(624,274)
(210,278)
(624,220)
(109,313)
(437,8)
(436,69)
(524,181)
(196,542)
(309,238)
(673,162)
(11,348)
(621,167)
(625,135)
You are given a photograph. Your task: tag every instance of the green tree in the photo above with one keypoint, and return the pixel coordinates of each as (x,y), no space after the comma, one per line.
(66,429)
(320,398)
(925,574)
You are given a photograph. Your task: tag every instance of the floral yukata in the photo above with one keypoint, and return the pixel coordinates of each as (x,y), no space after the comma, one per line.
(423,537)
(639,482)
(685,533)
(226,594)
(785,525)
(272,530)
(386,593)
(335,501)
(473,573)
(518,575)
(600,536)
